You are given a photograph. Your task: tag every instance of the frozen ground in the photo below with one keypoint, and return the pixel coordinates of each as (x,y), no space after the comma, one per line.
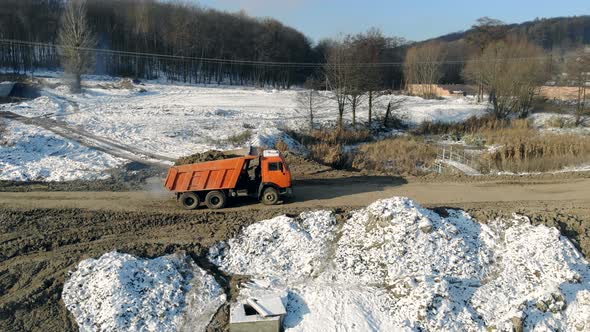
(30,153)
(119,292)
(175,120)
(398,266)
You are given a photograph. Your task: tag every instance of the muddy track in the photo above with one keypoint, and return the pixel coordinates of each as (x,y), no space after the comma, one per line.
(43,235)
(352,191)
(90,140)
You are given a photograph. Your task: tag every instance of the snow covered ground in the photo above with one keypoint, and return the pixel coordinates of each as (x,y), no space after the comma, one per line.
(547,122)
(175,120)
(119,292)
(31,153)
(397,266)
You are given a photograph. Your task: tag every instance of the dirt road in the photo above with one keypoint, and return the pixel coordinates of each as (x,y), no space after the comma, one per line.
(43,235)
(319,193)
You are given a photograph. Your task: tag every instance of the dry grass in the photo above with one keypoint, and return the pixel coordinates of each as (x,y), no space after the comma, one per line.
(333,136)
(403,155)
(332,155)
(3,130)
(239,139)
(470,126)
(326,145)
(282,146)
(528,150)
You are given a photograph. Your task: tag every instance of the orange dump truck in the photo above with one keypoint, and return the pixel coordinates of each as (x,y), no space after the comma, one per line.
(266,178)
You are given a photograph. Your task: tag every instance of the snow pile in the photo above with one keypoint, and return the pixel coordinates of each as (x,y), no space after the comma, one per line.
(31,153)
(269,137)
(290,248)
(539,276)
(397,266)
(119,292)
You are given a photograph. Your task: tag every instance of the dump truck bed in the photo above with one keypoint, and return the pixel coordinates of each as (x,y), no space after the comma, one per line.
(210,175)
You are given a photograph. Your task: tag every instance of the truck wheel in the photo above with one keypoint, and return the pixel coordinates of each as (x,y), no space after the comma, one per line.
(270,196)
(189,201)
(215,200)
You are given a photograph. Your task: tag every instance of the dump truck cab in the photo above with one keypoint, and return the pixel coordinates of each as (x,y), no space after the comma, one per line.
(275,178)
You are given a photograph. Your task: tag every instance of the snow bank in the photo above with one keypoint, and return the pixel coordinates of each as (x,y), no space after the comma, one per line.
(397,266)
(119,292)
(30,153)
(285,247)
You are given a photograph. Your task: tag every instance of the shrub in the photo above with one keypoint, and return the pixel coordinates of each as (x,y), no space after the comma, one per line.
(402,155)
(527,150)
(239,139)
(329,154)
(333,136)
(282,146)
(470,126)
(474,140)
(2,132)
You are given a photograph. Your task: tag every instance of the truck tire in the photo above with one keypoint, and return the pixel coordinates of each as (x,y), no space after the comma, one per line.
(215,200)
(189,201)
(270,196)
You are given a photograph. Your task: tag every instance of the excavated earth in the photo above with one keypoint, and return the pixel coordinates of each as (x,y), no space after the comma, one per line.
(46,231)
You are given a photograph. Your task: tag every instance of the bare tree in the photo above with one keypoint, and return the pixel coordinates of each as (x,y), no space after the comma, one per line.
(578,73)
(511,73)
(75,38)
(423,66)
(369,48)
(485,31)
(356,89)
(391,119)
(310,101)
(339,75)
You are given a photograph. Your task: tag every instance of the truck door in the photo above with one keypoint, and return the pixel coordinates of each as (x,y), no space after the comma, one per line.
(275,172)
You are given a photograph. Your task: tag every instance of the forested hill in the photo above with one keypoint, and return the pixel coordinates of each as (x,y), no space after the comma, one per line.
(188,43)
(151,26)
(560,33)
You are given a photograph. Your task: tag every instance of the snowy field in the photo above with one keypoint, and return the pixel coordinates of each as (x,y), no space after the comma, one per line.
(174,120)
(391,266)
(30,153)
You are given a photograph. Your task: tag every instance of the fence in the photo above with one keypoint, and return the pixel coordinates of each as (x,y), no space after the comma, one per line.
(447,154)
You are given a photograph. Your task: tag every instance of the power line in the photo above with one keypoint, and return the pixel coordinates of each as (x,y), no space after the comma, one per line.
(146,55)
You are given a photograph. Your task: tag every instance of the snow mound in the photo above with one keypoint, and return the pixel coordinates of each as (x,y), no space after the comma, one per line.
(290,248)
(397,266)
(269,137)
(119,292)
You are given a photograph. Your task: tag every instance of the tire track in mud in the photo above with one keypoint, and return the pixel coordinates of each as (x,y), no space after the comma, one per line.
(87,139)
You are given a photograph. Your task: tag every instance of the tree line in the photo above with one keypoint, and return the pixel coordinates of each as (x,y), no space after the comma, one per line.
(189,33)
(507,67)
(188,43)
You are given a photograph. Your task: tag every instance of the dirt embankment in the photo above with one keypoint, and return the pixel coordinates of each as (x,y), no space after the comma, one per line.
(38,247)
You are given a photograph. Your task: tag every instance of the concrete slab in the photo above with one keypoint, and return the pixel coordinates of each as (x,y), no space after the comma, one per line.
(6,88)
(257,315)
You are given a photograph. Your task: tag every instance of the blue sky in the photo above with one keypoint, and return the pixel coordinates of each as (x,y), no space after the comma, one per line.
(413,19)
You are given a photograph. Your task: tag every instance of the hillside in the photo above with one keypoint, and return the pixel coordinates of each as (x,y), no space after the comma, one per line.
(551,33)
